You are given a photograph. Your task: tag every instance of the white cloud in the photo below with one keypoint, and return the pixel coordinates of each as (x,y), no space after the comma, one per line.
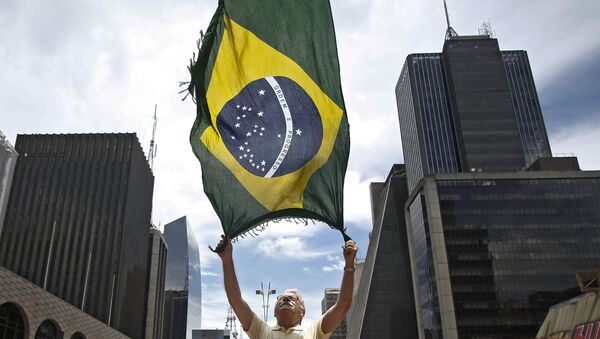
(290,248)
(336,266)
(210,274)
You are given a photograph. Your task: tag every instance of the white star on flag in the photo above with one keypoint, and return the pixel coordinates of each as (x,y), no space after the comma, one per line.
(260,114)
(261,92)
(298,132)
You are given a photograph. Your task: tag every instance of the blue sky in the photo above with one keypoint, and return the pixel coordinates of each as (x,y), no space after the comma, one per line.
(75,66)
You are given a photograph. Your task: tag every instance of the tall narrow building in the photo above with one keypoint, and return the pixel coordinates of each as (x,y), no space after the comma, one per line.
(471,108)
(183,289)
(77,222)
(155,284)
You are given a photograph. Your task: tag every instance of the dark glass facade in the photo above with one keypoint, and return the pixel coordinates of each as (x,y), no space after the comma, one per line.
(183,296)
(428,137)
(512,246)
(526,106)
(485,123)
(470,108)
(425,269)
(77,222)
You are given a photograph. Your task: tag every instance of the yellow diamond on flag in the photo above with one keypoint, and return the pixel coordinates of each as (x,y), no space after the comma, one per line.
(272,126)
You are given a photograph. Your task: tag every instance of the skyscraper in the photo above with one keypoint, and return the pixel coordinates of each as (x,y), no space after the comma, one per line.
(470,108)
(496,227)
(183,295)
(155,284)
(8,160)
(77,222)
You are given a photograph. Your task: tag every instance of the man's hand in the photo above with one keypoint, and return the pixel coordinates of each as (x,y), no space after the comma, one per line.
(227,252)
(350,249)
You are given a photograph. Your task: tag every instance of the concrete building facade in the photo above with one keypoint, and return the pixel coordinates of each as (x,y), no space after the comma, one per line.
(384,304)
(77,223)
(31,311)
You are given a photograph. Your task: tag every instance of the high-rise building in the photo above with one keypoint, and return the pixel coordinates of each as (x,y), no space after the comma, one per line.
(8,160)
(330,297)
(155,284)
(77,223)
(384,304)
(493,251)
(470,108)
(497,228)
(183,290)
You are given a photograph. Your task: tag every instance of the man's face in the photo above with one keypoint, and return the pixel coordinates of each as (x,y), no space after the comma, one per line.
(289,310)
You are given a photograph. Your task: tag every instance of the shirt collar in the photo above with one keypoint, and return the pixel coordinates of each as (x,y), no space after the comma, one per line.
(296,328)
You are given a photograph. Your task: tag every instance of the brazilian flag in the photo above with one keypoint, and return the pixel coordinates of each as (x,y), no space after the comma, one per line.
(271,131)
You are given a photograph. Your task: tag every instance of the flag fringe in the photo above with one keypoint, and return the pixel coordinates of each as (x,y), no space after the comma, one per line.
(259,228)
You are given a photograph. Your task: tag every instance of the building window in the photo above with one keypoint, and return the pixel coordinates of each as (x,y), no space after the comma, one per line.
(11,322)
(48,330)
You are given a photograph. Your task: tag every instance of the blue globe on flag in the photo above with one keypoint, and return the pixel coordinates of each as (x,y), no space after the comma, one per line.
(272,127)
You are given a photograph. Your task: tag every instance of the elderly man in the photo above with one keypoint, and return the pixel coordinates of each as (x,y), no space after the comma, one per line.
(289,308)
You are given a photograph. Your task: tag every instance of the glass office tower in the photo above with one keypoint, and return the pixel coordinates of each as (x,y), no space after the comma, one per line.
(470,108)
(494,251)
(183,290)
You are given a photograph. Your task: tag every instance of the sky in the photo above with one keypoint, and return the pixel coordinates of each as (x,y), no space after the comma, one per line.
(72,66)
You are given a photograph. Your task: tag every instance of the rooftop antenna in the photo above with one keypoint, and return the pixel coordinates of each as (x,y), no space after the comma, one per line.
(153,146)
(486,29)
(450,32)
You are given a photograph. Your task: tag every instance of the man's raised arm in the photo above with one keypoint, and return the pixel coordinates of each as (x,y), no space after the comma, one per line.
(334,316)
(232,287)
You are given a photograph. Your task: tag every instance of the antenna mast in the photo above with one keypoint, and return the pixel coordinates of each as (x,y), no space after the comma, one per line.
(230,323)
(450,32)
(152,152)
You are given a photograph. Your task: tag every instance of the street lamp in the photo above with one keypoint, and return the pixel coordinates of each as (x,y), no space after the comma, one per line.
(267,293)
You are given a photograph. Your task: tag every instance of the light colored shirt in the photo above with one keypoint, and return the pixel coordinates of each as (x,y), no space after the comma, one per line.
(261,330)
